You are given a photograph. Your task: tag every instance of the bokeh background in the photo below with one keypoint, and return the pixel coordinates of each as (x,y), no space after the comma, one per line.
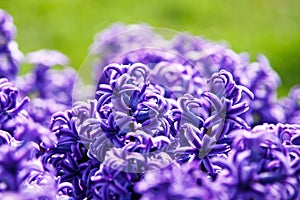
(271,27)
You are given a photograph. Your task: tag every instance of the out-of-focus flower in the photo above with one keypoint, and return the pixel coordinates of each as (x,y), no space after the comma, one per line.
(23,176)
(179,182)
(10,56)
(41,110)
(208,57)
(50,83)
(121,39)
(291,106)
(258,167)
(8,29)
(122,169)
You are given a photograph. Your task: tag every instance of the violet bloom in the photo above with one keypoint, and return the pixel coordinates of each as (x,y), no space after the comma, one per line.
(127,101)
(263,81)
(120,39)
(179,182)
(51,82)
(291,106)
(206,121)
(69,157)
(208,57)
(23,176)
(8,29)
(104,125)
(16,121)
(9,105)
(258,167)
(289,136)
(41,110)
(10,56)
(121,170)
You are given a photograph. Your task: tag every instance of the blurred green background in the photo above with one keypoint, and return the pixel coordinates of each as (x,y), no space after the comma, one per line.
(255,26)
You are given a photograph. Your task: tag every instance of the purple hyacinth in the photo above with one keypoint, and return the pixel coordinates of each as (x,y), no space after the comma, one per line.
(129,102)
(258,167)
(10,107)
(41,110)
(120,39)
(69,157)
(179,182)
(205,122)
(208,57)
(10,56)
(291,107)
(204,57)
(8,29)
(23,176)
(122,169)
(50,82)
(16,121)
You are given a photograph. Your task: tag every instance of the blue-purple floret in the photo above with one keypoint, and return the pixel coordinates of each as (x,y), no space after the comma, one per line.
(184,118)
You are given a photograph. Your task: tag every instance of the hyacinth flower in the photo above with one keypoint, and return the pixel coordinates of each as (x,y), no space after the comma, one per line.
(289,136)
(76,162)
(120,39)
(9,105)
(208,57)
(205,122)
(47,82)
(121,170)
(205,58)
(69,157)
(130,101)
(16,121)
(50,83)
(10,56)
(263,81)
(25,177)
(291,106)
(127,104)
(258,167)
(179,182)
(22,176)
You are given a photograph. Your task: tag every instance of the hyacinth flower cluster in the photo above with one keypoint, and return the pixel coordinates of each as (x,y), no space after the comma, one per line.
(180,118)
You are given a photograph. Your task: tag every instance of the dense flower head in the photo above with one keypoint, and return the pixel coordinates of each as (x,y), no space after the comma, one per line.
(69,156)
(179,182)
(204,57)
(259,165)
